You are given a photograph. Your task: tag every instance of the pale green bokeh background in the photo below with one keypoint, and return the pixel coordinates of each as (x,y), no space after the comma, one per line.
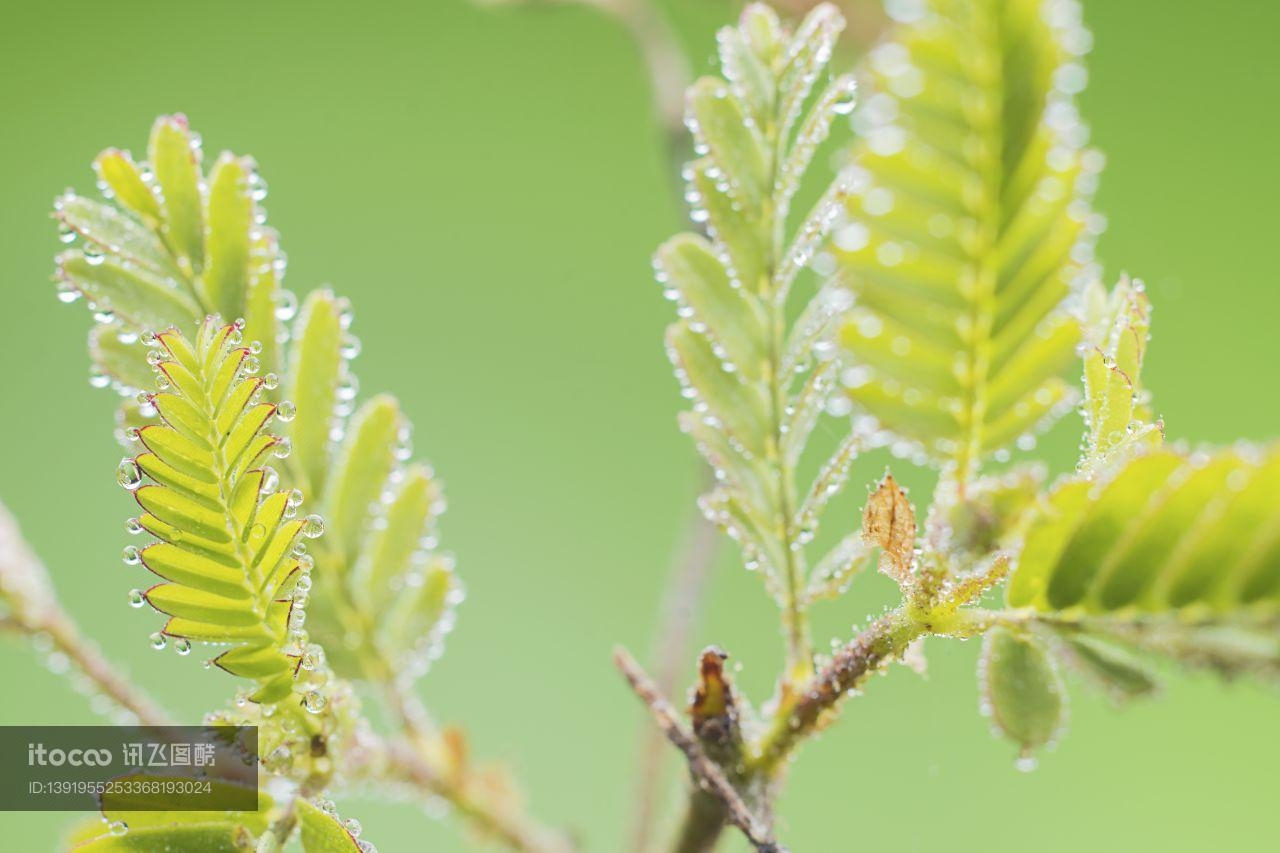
(488,188)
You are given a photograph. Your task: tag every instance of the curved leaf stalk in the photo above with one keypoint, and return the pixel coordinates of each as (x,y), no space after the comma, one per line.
(28,604)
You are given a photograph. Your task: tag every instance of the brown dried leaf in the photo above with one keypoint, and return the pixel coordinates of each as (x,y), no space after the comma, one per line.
(889,522)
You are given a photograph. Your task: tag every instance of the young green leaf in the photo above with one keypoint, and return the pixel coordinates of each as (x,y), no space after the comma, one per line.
(227,541)
(175,156)
(322,832)
(743,352)
(1022,692)
(364,463)
(125,183)
(1167,531)
(968,227)
(1114,408)
(229,212)
(315,374)
(121,291)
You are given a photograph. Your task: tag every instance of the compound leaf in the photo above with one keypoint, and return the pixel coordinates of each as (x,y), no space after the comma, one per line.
(226,549)
(1167,531)
(968,227)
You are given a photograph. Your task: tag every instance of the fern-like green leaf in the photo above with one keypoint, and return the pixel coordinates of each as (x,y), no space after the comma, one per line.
(969,226)
(227,540)
(177,245)
(744,357)
(1168,531)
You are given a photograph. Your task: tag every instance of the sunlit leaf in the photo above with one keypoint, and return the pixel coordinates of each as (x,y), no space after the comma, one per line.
(1167,531)
(126,185)
(968,227)
(229,214)
(226,548)
(176,161)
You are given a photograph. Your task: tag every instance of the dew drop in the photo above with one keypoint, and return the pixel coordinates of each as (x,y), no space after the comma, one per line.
(313,701)
(312,526)
(131,555)
(128,474)
(136,598)
(159,641)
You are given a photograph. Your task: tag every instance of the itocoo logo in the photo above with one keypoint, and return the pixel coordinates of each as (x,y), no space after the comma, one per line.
(38,755)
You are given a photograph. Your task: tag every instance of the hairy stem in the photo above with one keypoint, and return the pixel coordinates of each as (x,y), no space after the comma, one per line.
(882,641)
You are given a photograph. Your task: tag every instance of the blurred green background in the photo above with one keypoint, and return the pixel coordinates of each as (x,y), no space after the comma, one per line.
(487,187)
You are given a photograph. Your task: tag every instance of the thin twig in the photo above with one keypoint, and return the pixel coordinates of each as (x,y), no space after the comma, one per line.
(707,774)
(34,609)
(682,601)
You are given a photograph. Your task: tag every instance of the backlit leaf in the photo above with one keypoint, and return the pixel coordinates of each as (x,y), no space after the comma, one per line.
(968,227)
